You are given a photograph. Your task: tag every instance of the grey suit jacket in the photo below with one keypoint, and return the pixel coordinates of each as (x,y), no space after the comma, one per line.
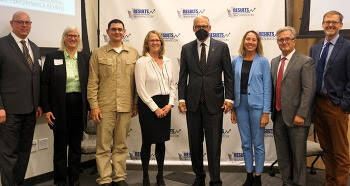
(193,79)
(19,86)
(297,90)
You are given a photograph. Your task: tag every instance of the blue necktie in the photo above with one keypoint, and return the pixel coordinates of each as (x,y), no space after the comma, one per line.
(320,67)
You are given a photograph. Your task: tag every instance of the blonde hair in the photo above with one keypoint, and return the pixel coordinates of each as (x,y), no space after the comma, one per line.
(145,43)
(259,47)
(333,12)
(65,32)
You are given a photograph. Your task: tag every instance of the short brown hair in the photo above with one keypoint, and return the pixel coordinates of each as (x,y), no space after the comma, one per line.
(333,12)
(145,43)
(259,48)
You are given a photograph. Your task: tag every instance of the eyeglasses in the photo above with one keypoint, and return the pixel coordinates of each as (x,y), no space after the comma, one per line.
(72,36)
(201,27)
(330,22)
(287,39)
(154,40)
(116,29)
(22,22)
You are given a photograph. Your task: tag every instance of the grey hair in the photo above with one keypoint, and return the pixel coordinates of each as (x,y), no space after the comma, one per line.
(65,32)
(287,28)
(16,14)
(201,16)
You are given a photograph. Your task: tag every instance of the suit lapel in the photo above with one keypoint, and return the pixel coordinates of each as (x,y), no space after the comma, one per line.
(338,45)
(15,46)
(80,67)
(212,49)
(290,64)
(274,69)
(254,64)
(195,54)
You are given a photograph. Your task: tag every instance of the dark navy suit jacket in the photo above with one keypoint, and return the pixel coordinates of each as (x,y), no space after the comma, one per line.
(337,72)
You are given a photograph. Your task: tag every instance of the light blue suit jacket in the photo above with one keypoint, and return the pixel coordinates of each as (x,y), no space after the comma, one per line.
(259,88)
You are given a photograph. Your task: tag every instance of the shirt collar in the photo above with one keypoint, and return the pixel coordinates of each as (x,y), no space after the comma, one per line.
(206,42)
(66,55)
(333,41)
(124,48)
(289,56)
(17,39)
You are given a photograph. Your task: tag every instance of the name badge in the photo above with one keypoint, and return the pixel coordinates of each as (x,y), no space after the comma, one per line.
(58,61)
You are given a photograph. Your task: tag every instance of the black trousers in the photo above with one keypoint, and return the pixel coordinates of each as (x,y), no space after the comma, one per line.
(71,138)
(16,136)
(202,124)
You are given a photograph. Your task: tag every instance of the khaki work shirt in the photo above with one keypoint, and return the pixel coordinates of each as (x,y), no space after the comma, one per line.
(111,85)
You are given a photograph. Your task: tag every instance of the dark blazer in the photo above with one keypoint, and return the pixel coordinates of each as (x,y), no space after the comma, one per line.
(53,87)
(297,90)
(19,86)
(337,72)
(209,78)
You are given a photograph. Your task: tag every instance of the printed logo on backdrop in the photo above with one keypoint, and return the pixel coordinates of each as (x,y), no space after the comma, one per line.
(126,38)
(170,36)
(141,13)
(184,156)
(226,133)
(268,132)
(267,35)
(240,11)
(136,155)
(189,13)
(220,36)
(175,133)
(236,156)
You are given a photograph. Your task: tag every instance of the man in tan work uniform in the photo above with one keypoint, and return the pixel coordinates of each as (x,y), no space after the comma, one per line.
(112,97)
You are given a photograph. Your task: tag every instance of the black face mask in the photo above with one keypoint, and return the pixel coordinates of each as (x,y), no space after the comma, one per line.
(202,34)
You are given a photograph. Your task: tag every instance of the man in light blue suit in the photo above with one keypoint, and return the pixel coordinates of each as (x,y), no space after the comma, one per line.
(252,93)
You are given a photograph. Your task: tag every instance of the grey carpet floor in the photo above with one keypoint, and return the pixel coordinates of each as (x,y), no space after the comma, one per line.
(179,178)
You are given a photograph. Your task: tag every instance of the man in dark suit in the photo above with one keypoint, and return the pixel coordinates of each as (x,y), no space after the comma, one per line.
(203,99)
(19,98)
(293,76)
(332,103)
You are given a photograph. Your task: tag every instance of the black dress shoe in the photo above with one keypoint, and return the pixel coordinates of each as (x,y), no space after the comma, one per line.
(120,183)
(106,184)
(160,181)
(199,182)
(146,182)
(61,184)
(74,183)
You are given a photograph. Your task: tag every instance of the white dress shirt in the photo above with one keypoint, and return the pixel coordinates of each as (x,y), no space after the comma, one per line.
(18,41)
(151,80)
(286,62)
(199,47)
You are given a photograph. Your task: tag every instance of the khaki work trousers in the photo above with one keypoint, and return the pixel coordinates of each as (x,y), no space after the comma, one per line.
(111,135)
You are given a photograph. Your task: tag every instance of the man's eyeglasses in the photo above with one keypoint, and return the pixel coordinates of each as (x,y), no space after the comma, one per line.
(282,40)
(116,29)
(201,27)
(330,22)
(23,22)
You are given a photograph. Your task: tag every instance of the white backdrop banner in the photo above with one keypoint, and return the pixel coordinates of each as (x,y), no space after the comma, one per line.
(174,19)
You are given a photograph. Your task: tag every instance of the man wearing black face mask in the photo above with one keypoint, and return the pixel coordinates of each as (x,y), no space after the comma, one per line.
(203,99)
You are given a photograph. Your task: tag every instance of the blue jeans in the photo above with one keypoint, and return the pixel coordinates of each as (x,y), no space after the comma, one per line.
(252,134)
